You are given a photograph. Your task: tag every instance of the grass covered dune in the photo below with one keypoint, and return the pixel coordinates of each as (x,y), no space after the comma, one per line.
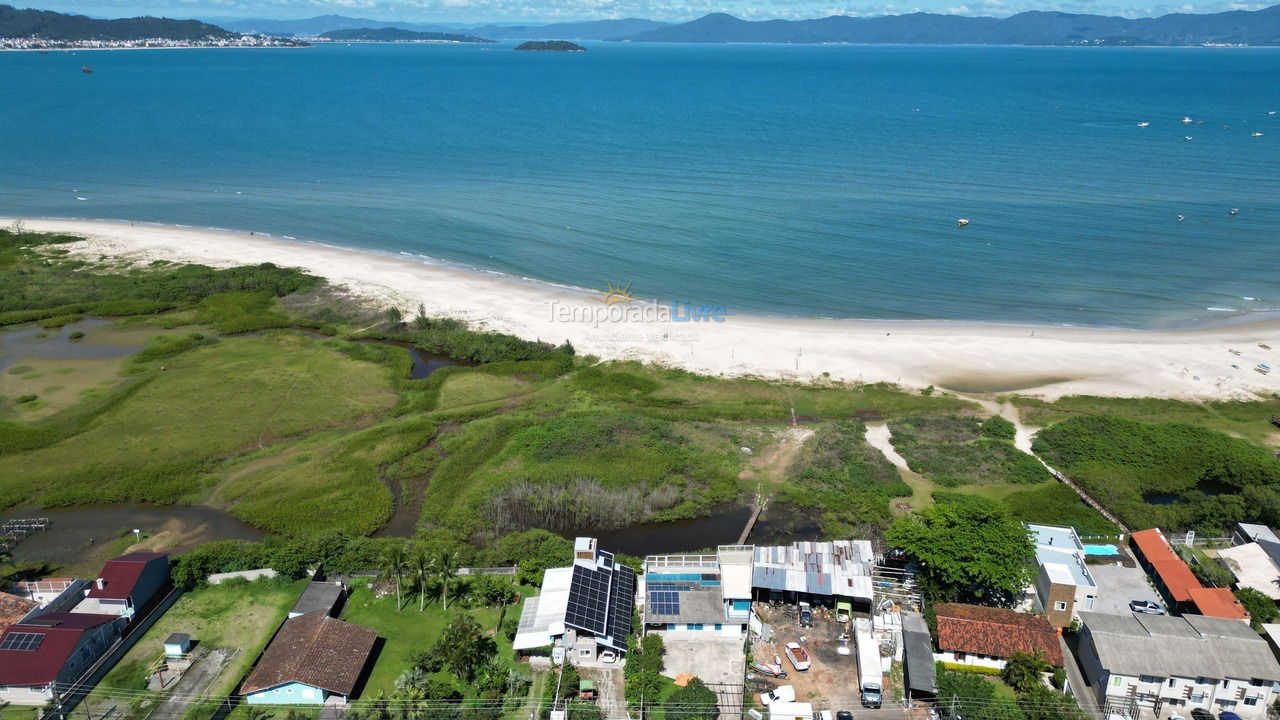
(271,393)
(1045,361)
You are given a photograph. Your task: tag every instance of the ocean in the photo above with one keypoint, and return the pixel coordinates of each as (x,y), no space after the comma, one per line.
(818,181)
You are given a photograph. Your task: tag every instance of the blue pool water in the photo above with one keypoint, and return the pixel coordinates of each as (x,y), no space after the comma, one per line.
(1101,550)
(790,180)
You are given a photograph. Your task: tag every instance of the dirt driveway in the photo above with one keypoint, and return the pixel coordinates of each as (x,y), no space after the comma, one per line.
(831,682)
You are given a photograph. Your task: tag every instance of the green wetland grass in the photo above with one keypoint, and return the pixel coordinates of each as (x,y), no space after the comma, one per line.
(259,391)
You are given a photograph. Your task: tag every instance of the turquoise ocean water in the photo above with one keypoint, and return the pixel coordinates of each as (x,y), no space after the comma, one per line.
(790,180)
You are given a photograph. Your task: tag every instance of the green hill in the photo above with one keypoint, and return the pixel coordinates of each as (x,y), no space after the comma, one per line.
(49,25)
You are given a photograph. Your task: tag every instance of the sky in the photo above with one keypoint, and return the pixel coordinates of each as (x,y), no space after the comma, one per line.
(543,11)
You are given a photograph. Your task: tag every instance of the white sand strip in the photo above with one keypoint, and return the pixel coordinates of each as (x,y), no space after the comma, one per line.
(1047,361)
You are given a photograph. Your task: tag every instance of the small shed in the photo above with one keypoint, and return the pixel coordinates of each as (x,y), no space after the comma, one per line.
(324,597)
(587,689)
(177,645)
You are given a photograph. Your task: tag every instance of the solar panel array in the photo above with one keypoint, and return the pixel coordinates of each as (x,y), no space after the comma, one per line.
(624,597)
(664,602)
(22,641)
(588,608)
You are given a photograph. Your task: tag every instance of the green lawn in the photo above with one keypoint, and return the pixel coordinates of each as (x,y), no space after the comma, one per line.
(1248,420)
(407,631)
(238,615)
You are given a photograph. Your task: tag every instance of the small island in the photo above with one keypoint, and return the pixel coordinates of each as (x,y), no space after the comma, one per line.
(550,46)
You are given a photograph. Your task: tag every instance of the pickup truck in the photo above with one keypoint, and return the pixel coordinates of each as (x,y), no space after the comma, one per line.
(798,656)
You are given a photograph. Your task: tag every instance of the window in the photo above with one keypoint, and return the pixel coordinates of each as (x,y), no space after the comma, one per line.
(1251,701)
(1148,679)
(1088,602)
(289,690)
(1060,606)
(671,626)
(1257,682)
(586,652)
(1172,682)
(1116,681)
(960,656)
(719,627)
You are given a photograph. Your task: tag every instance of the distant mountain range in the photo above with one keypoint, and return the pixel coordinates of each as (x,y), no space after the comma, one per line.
(593,30)
(1237,27)
(15,23)
(398,35)
(1261,27)
(317,26)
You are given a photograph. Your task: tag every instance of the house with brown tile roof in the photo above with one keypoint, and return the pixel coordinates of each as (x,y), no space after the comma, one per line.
(312,658)
(13,609)
(987,637)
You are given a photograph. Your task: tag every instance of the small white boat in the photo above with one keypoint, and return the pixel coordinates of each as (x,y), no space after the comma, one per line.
(1180,218)
(961,222)
(1186,138)
(1235,212)
(1186,120)
(1257,134)
(1272,112)
(1144,123)
(81,198)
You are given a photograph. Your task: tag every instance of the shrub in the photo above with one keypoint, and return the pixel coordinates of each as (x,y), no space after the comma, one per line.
(24,399)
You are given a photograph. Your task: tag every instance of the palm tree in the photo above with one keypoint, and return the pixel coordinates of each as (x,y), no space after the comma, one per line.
(420,568)
(1023,670)
(446,566)
(394,564)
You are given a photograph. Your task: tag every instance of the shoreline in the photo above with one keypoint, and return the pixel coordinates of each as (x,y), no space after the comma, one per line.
(967,357)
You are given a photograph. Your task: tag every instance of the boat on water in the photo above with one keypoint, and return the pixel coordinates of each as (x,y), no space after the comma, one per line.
(1144,123)
(86,70)
(961,222)
(1181,218)
(1186,138)
(1256,134)
(1235,212)
(1186,120)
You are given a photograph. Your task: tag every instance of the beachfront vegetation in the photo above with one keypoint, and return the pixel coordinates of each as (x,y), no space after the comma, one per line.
(838,474)
(956,450)
(1248,419)
(1170,475)
(266,392)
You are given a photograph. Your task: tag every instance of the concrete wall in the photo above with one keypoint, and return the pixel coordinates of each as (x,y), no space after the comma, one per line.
(971,660)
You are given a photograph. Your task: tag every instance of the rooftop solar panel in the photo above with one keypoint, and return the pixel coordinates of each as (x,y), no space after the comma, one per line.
(588,609)
(621,601)
(22,641)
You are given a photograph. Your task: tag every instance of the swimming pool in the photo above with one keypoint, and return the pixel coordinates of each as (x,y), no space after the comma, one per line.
(1101,550)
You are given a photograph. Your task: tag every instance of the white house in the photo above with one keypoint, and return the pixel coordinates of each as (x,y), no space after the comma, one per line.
(699,595)
(1183,663)
(1064,586)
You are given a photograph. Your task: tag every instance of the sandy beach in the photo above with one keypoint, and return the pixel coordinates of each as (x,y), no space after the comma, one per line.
(1047,361)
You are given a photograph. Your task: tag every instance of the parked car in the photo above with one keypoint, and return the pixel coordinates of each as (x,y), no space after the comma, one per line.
(1228,715)
(786,693)
(1201,714)
(844,715)
(608,656)
(1146,606)
(806,615)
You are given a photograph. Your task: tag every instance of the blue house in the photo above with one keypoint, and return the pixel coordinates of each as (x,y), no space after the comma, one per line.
(312,658)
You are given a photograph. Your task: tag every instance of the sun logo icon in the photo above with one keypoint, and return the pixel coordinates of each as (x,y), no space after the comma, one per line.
(616,294)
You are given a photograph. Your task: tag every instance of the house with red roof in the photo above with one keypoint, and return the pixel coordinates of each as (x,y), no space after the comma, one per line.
(13,608)
(126,584)
(1179,586)
(987,637)
(53,648)
(312,658)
